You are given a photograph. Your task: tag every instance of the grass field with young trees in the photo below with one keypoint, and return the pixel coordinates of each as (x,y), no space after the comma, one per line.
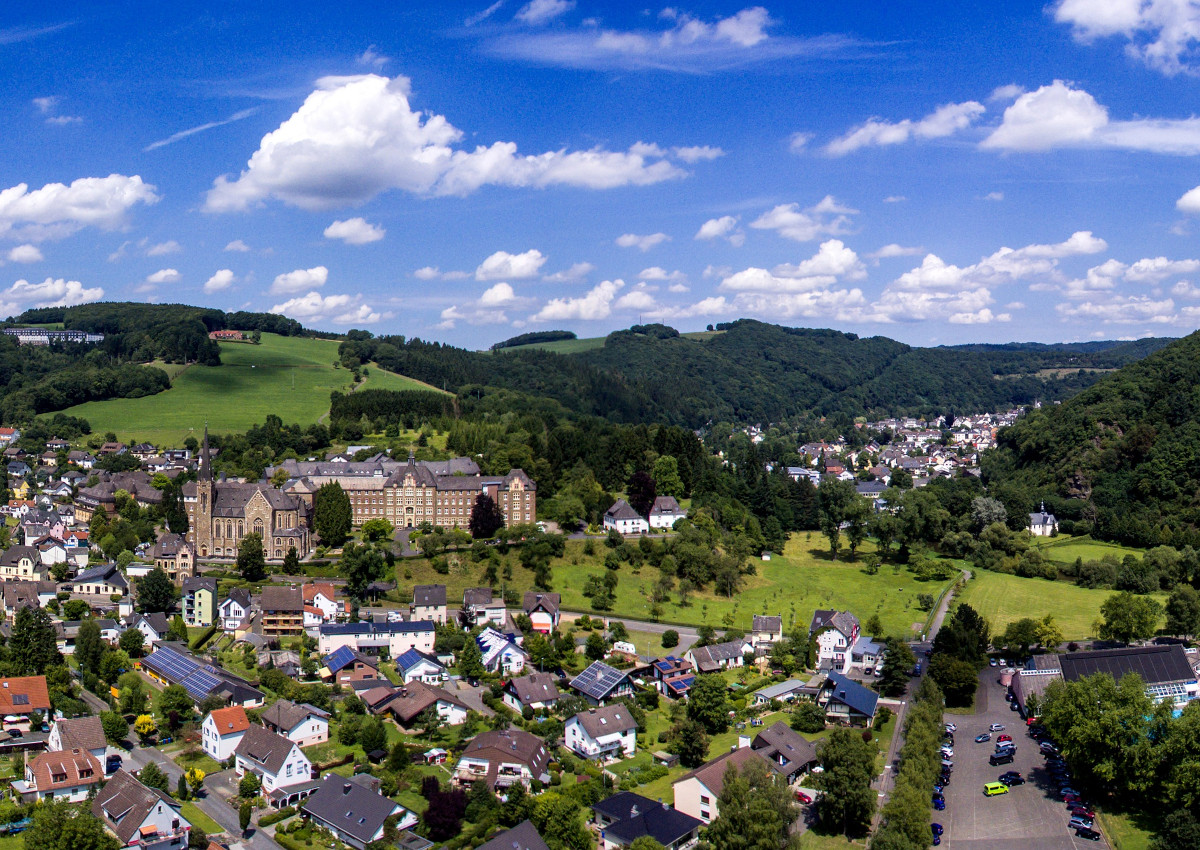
(793,585)
(290,377)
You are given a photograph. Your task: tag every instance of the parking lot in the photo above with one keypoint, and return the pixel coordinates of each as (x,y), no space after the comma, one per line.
(1029,815)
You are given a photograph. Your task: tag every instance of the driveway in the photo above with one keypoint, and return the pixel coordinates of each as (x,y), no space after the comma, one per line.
(1030,815)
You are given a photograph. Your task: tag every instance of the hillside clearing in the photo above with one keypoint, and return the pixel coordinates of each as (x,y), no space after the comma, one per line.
(575,346)
(291,377)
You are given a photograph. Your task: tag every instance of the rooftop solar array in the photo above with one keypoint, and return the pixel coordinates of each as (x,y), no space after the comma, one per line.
(199,681)
(598,680)
(339,658)
(200,684)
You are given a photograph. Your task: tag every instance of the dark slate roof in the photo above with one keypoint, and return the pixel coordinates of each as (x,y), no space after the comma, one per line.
(12,556)
(764,623)
(598,680)
(240,595)
(168,546)
(621,510)
(785,747)
(665,505)
(289,599)
(350,808)
(523,836)
(477,596)
(843,621)
(708,658)
(404,626)
(264,748)
(536,687)
(606,719)
(287,715)
(196,583)
(633,816)
(157,621)
(429,594)
(124,798)
(548,602)
(1154,664)
(104,572)
(849,692)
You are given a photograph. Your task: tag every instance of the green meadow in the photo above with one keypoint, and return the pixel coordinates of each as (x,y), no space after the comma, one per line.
(291,377)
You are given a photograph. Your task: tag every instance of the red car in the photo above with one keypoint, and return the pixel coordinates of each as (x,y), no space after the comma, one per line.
(1003,738)
(801,797)
(1081,811)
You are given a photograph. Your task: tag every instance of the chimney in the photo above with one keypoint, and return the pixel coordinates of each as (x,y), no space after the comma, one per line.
(633,812)
(591,711)
(345,788)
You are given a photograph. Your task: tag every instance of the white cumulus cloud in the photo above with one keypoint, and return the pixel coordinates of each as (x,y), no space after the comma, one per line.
(1190,202)
(51,292)
(237,245)
(221,279)
(300,280)
(538,12)
(642,243)
(165,276)
(595,304)
(1163,34)
(163,248)
(337,309)
(503,265)
(355,137)
(725,227)
(576,273)
(57,210)
(25,254)
(355,231)
(826,218)
(876,132)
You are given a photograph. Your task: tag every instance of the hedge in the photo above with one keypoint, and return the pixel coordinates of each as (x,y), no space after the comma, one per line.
(276,817)
(205,637)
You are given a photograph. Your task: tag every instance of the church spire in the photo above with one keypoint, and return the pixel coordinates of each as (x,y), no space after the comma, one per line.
(205,467)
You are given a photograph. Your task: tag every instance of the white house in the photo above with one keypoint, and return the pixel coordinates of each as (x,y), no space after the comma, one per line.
(483,607)
(301,723)
(429,603)
(666,512)
(625,519)
(1042,524)
(606,732)
(234,609)
(542,610)
(285,772)
(322,598)
(836,632)
(416,665)
(354,810)
(79,733)
(154,627)
(371,638)
(766,631)
(62,775)
(222,731)
(501,654)
(535,691)
(141,817)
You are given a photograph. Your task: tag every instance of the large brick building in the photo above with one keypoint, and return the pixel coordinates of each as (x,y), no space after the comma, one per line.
(220,513)
(410,493)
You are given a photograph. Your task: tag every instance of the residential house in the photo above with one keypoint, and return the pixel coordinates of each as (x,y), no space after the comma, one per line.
(534,691)
(354,810)
(481,606)
(625,817)
(323,597)
(175,556)
(624,519)
(285,772)
(429,603)
(15,595)
(523,836)
(503,757)
(765,632)
(501,653)
(104,580)
(835,633)
(84,460)
(1042,524)
(719,656)
(304,724)
(345,665)
(867,655)
(65,775)
(22,562)
(673,676)
(373,638)
(781,691)
(665,512)
(23,695)
(154,627)
(282,611)
(412,699)
(141,817)
(790,753)
(199,601)
(696,792)
(78,733)
(234,609)
(413,664)
(846,701)
(606,732)
(222,731)
(542,610)
(599,683)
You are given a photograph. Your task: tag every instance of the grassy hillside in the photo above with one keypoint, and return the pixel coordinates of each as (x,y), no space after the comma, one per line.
(576,346)
(291,377)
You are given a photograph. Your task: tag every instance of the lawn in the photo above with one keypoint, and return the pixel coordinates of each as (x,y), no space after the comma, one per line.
(1124,833)
(1066,549)
(575,346)
(793,584)
(1001,599)
(197,818)
(291,377)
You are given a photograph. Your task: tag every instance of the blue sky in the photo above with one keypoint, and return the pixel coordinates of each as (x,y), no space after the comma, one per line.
(933,172)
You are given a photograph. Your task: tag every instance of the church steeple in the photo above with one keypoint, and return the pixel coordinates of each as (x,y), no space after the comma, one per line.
(205,467)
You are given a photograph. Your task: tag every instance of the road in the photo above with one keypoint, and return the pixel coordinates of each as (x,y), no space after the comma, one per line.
(211,803)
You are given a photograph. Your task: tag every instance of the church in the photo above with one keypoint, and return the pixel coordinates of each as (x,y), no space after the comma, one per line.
(220,513)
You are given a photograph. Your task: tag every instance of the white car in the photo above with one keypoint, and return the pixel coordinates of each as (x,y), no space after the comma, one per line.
(947,753)
(950,727)
(996,727)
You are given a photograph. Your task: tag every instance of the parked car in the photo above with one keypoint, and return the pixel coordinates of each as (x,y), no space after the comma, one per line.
(1005,757)
(1080,822)
(1072,798)
(947,753)
(1011,779)
(950,727)
(112,764)
(1083,811)
(801,797)
(992,662)
(984,738)
(1007,747)
(1048,749)
(939,804)
(1089,833)
(992,789)
(1004,738)
(996,727)
(936,828)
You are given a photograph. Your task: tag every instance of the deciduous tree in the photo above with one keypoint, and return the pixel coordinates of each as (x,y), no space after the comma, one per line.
(251,561)
(486,517)
(847,801)
(1129,617)
(708,703)
(332,515)
(155,592)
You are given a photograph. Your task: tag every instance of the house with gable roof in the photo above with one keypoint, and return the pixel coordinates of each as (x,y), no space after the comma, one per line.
(697,792)
(481,606)
(719,656)
(354,810)
(847,701)
(790,753)
(542,610)
(304,724)
(665,512)
(234,610)
(141,817)
(68,775)
(1043,524)
(78,733)
(622,518)
(414,664)
(322,596)
(835,633)
(199,601)
(625,817)
(503,757)
(429,603)
(534,691)
(766,631)
(501,652)
(604,732)
(600,683)
(345,665)
(285,772)
(222,731)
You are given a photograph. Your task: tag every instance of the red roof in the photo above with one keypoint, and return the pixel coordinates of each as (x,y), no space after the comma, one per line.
(230,721)
(23,694)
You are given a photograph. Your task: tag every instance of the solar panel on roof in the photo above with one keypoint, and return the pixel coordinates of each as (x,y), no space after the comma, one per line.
(339,658)
(171,664)
(597,680)
(200,684)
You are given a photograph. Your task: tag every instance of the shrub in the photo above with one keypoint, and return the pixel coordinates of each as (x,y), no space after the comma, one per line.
(276,817)
(670,639)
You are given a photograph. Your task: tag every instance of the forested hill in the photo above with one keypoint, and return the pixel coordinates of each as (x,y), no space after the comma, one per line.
(756,372)
(1124,453)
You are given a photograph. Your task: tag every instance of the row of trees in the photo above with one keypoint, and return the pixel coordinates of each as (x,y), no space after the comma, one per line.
(905,822)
